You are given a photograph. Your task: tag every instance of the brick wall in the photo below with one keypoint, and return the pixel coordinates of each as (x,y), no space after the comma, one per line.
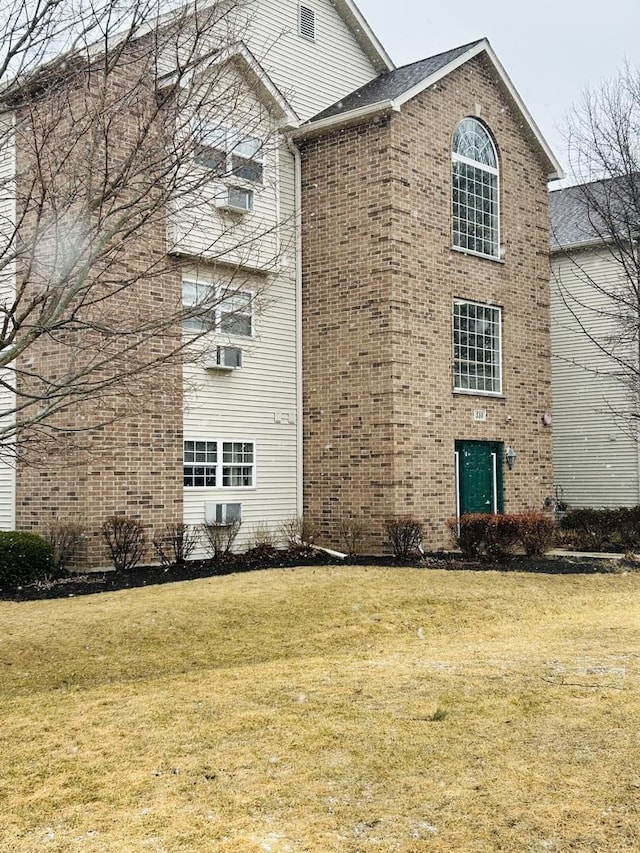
(120,450)
(379,279)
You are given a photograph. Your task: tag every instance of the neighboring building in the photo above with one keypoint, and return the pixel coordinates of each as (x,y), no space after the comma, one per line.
(400,339)
(426,299)
(595,451)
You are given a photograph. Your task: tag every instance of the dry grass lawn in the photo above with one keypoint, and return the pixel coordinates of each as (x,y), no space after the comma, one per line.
(327,709)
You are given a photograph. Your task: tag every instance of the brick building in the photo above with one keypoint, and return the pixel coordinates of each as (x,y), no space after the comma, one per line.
(392,352)
(426,299)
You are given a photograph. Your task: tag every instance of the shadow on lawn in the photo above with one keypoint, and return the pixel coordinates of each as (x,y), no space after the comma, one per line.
(72,585)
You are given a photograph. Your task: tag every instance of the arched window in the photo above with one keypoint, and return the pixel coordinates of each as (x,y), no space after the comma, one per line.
(476,223)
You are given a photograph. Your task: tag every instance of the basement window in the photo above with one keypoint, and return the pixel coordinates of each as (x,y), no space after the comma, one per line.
(306,22)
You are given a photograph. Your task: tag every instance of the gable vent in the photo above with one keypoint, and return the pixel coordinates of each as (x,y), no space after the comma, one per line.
(307,22)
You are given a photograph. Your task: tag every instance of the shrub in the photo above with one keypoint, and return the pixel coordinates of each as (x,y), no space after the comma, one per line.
(262,534)
(591,529)
(297,530)
(126,541)
(496,536)
(219,538)
(24,558)
(480,534)
(175,544)
(405,536)
(65,538)
(536,532)
(351,531)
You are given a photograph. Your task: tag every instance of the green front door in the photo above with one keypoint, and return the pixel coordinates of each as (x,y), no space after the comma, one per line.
(479,476)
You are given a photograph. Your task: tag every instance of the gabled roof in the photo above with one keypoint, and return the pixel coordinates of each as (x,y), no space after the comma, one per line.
(389,91)
(394,84)
(258,79)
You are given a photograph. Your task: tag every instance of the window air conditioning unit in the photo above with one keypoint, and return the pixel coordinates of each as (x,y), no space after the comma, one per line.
(215,513)
(236,199)
(223,358)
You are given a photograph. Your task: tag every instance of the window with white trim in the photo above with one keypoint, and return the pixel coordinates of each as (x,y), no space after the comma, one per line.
(217,463)
(229,153)
(207,308)
(477,348)
(476,215)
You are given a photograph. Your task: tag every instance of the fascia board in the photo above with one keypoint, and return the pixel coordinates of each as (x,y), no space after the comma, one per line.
(259,79)
(240,53)
(565,248)
(316,128)
(363,33)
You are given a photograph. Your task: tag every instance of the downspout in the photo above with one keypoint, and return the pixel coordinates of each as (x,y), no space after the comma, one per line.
(298,255)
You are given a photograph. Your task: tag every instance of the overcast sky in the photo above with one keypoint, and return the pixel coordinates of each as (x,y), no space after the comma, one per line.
(551,49)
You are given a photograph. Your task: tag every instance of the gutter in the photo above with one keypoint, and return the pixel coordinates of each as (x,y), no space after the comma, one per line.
(593,243)
(297,224)
(340,120)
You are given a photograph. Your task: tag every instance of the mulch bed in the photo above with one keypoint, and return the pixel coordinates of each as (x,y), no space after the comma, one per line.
(72,585)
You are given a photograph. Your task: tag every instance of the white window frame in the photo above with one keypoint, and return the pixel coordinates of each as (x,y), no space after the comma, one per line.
(225,141)
(462,239)
(496,363)
(227,302)
(218,466)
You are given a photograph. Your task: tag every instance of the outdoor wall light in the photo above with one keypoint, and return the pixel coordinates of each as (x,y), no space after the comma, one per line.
(510,456)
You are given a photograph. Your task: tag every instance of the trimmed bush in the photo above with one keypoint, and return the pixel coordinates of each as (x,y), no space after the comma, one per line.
(405,536)
(536,532)
(479,534)
(602,529)
(126,541)
(24,558)
(494,537)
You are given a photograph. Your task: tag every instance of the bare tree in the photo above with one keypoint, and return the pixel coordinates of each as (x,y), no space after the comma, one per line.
(602,213)
(117,120)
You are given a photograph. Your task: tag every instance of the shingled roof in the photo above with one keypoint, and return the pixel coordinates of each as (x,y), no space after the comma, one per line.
(393,84)
(569,215)
(391,90)
(576,212)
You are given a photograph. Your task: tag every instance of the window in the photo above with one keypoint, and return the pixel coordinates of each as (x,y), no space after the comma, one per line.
(212,463)
(477,352)
(306,22)
(475,190)
(228,152)
(208,309)
(237,463)
(200,463)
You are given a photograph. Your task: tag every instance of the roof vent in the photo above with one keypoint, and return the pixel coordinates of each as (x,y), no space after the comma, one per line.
(306,22)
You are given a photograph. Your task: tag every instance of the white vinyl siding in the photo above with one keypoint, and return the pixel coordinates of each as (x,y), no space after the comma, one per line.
(257,403)
(595,461)
(7,290)
(312,74)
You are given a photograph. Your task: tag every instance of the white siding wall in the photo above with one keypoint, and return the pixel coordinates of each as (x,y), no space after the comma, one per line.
(197,227)
(311,75)
(7,289)
(257,403)
(595,460)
